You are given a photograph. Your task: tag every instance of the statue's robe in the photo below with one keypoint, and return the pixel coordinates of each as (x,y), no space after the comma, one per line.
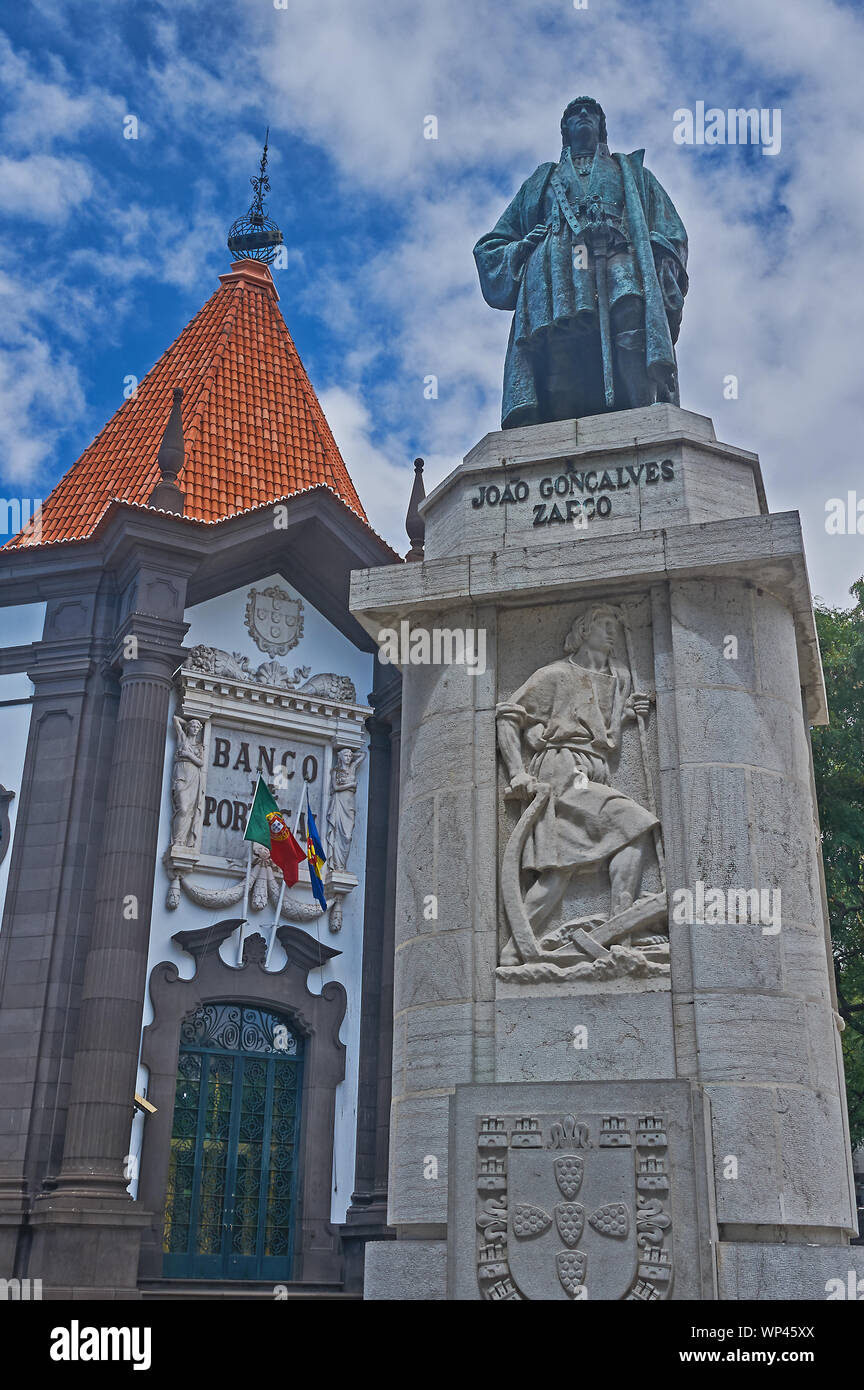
(570,718)
(550,289)
(341,815)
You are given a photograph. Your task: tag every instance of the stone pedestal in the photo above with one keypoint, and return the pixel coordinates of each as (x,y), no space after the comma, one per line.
(678,965)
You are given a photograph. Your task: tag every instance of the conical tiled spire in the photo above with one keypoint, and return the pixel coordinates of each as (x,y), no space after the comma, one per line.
(253,430)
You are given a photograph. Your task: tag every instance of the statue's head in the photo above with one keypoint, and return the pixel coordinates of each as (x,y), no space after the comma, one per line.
(597,629)
(583,124)
(194,728)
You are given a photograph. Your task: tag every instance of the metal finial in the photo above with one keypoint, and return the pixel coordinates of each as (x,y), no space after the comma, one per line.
(414,523)
(255,236)
(261,184)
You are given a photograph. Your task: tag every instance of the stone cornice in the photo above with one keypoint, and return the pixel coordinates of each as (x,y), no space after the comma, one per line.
(767,551)
(203,694)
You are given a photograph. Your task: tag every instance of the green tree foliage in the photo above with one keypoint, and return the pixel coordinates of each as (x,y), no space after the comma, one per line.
(838,755)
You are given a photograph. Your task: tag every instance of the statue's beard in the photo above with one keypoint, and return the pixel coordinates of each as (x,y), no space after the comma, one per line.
(588,150)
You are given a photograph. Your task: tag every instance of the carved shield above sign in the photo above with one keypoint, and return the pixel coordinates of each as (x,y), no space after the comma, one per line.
(274,620)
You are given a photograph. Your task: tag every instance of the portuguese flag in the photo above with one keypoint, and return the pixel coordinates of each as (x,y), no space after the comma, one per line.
(267,826)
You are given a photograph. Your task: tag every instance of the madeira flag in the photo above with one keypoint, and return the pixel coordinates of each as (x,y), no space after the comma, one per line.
(267,827)
(315,856)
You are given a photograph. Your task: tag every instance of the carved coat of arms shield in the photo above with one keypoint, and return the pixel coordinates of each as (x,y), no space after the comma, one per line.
(585,1207)
(274,620)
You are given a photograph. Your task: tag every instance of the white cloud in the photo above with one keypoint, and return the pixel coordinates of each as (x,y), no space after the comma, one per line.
(377,476)
(43,188)
(34,380)
(43,110)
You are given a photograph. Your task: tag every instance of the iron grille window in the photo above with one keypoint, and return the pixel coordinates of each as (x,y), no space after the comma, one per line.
(232,1177)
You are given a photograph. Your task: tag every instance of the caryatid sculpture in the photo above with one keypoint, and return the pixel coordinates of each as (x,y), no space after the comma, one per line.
(186,780)
(342,810)
(592,257)
(558,735)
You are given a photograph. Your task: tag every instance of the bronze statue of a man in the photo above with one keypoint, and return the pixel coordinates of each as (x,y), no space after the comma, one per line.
(592,256)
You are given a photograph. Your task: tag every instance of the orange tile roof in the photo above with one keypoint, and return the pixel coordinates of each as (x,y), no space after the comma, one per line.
(254,430)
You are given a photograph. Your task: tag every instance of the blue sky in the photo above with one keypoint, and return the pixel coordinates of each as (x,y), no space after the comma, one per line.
(110,245)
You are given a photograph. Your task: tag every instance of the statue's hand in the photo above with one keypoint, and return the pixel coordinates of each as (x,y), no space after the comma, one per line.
(535,738)
(535,236)
(523,785)
(638,705)
(665,379)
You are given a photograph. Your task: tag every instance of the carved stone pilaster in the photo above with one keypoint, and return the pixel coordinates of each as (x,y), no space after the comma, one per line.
(91,1189)
(366,1218)
(60,804)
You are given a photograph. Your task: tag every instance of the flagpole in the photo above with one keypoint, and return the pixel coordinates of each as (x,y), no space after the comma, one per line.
(246,887)
(317,919)
(245,902)
(278,916)
(275,924)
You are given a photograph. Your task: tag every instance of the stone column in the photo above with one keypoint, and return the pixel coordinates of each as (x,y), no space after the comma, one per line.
(366,1218)
(43,943)
(87,1230)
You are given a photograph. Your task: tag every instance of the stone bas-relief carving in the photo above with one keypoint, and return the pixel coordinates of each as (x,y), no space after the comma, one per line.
(213,661)
(343,805)
(573,1207)
(559,736)
(274,620)
(186,781)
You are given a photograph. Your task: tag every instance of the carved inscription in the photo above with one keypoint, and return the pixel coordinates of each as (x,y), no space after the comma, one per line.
(575,495)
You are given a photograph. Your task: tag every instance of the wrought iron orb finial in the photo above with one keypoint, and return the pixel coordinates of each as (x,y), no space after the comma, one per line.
(255,236)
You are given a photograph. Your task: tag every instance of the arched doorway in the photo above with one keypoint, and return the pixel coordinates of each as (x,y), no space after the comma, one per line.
(231,1199)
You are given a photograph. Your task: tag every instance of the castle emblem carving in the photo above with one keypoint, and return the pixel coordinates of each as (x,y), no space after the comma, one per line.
(274,620)
(560,738)
(592,1223)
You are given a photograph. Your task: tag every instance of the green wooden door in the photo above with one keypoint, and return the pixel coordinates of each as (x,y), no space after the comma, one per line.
(232,1178)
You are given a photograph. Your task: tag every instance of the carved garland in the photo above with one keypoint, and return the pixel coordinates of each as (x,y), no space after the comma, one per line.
(264,889)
